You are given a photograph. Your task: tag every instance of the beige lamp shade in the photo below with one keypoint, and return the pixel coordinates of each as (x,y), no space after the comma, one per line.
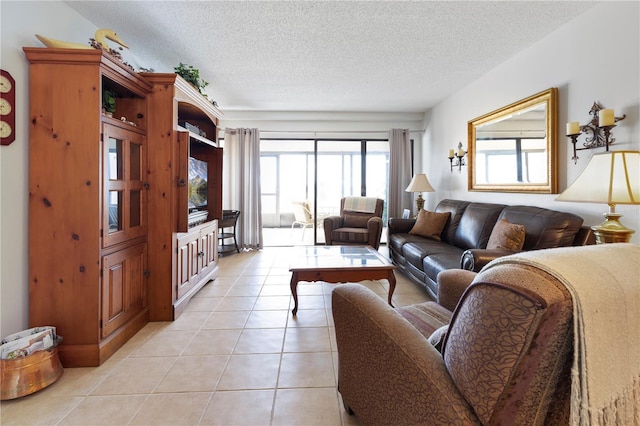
(609,178)
(420,183)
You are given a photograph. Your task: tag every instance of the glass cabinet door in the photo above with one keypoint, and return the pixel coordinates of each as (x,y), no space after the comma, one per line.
(123,184)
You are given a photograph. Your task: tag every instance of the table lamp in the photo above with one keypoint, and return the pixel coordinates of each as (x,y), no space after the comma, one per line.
(611,178)
(420,184)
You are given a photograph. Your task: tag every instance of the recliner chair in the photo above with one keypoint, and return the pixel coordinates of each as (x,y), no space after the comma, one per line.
(359,223)
(505,357)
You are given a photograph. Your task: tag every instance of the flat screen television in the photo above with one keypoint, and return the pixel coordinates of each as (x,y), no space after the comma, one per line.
(197,201)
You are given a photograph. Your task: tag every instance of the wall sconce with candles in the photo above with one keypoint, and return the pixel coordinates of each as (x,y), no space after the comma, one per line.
(456,158)
(598,130)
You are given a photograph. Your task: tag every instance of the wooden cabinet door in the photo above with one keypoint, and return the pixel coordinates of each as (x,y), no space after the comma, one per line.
(188,264)
(124,286)
(124,215)
(208,247)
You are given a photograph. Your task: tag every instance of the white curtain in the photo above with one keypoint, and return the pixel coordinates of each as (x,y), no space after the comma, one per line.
(399,172)
(241,181)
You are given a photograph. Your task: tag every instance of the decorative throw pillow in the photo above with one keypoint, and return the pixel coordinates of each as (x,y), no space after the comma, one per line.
(506,236)
(355,219)
(430,224)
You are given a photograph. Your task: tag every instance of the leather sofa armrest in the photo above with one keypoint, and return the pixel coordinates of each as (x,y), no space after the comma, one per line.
(373,340)
(399,226)
(476,259)
(584,237)
(451,284)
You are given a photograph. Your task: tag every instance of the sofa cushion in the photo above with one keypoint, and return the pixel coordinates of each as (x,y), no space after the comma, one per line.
(435,263)
(430,224)
(351,235)
(355,219)
(506,236)
(399,240)
(476,225)
(456,208)
(415,252)
(544,228)
(426,317)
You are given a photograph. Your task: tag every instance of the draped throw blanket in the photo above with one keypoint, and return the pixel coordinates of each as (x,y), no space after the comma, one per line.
(360,204)
(604,282)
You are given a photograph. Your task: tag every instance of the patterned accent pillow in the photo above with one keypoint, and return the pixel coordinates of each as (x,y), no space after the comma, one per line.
(430,224)
(507,236)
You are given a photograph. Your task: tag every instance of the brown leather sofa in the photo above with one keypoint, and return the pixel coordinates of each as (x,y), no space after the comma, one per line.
(504,359)
(466,233)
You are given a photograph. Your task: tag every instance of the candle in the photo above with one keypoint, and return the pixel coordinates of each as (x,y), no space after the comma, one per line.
(460,153)
(450,153)
(605,118)
(573,128)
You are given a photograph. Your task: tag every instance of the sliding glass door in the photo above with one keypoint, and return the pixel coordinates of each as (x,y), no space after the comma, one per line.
(304,180)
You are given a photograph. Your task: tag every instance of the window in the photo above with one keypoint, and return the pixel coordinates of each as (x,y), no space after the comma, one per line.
(321,172)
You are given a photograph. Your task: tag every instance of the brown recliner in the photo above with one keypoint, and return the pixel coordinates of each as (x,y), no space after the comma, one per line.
(355,227)
(504,359)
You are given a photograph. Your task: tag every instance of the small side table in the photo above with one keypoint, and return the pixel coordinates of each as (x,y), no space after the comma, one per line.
(229,220)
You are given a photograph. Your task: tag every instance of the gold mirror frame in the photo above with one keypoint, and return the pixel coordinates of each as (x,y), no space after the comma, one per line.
(548,98)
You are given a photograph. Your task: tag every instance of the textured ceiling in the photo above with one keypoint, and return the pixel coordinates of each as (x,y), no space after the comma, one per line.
(367,56)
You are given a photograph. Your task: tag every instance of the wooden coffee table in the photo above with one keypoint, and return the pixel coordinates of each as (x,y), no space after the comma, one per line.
(340,264)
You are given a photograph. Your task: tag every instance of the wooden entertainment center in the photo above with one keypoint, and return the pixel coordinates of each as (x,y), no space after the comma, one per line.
(113,242)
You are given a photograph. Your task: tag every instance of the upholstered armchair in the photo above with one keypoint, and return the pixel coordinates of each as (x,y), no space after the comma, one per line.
(359,223)
(505,357)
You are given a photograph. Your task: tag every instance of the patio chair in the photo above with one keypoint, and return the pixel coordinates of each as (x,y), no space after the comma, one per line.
(303,216)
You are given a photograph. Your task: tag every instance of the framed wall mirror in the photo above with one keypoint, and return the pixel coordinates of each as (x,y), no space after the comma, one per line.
(514,148)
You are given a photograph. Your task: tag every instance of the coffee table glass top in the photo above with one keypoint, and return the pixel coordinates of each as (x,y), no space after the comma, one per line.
(320,257)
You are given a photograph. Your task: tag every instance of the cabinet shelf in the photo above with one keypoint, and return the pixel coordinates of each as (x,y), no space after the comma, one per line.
(178,263)
(198,137)
(123,124)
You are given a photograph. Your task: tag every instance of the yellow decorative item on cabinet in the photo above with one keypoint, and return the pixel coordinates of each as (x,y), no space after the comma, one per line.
(101,37)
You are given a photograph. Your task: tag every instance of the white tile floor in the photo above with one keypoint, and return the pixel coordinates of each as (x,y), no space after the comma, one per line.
(235,357)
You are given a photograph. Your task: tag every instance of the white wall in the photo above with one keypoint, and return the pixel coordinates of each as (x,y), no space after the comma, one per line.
(19,22)
(296,124)
(595,57)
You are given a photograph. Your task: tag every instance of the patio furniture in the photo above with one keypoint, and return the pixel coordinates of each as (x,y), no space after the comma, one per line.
(303,216)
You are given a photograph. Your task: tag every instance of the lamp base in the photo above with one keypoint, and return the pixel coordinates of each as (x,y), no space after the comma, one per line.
(611,230)
(419,203)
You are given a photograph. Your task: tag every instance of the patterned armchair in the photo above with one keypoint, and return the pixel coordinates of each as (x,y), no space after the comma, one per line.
(504,358)
(359,223)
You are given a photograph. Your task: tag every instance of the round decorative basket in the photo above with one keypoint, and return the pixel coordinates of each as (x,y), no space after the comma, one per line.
(24,376)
